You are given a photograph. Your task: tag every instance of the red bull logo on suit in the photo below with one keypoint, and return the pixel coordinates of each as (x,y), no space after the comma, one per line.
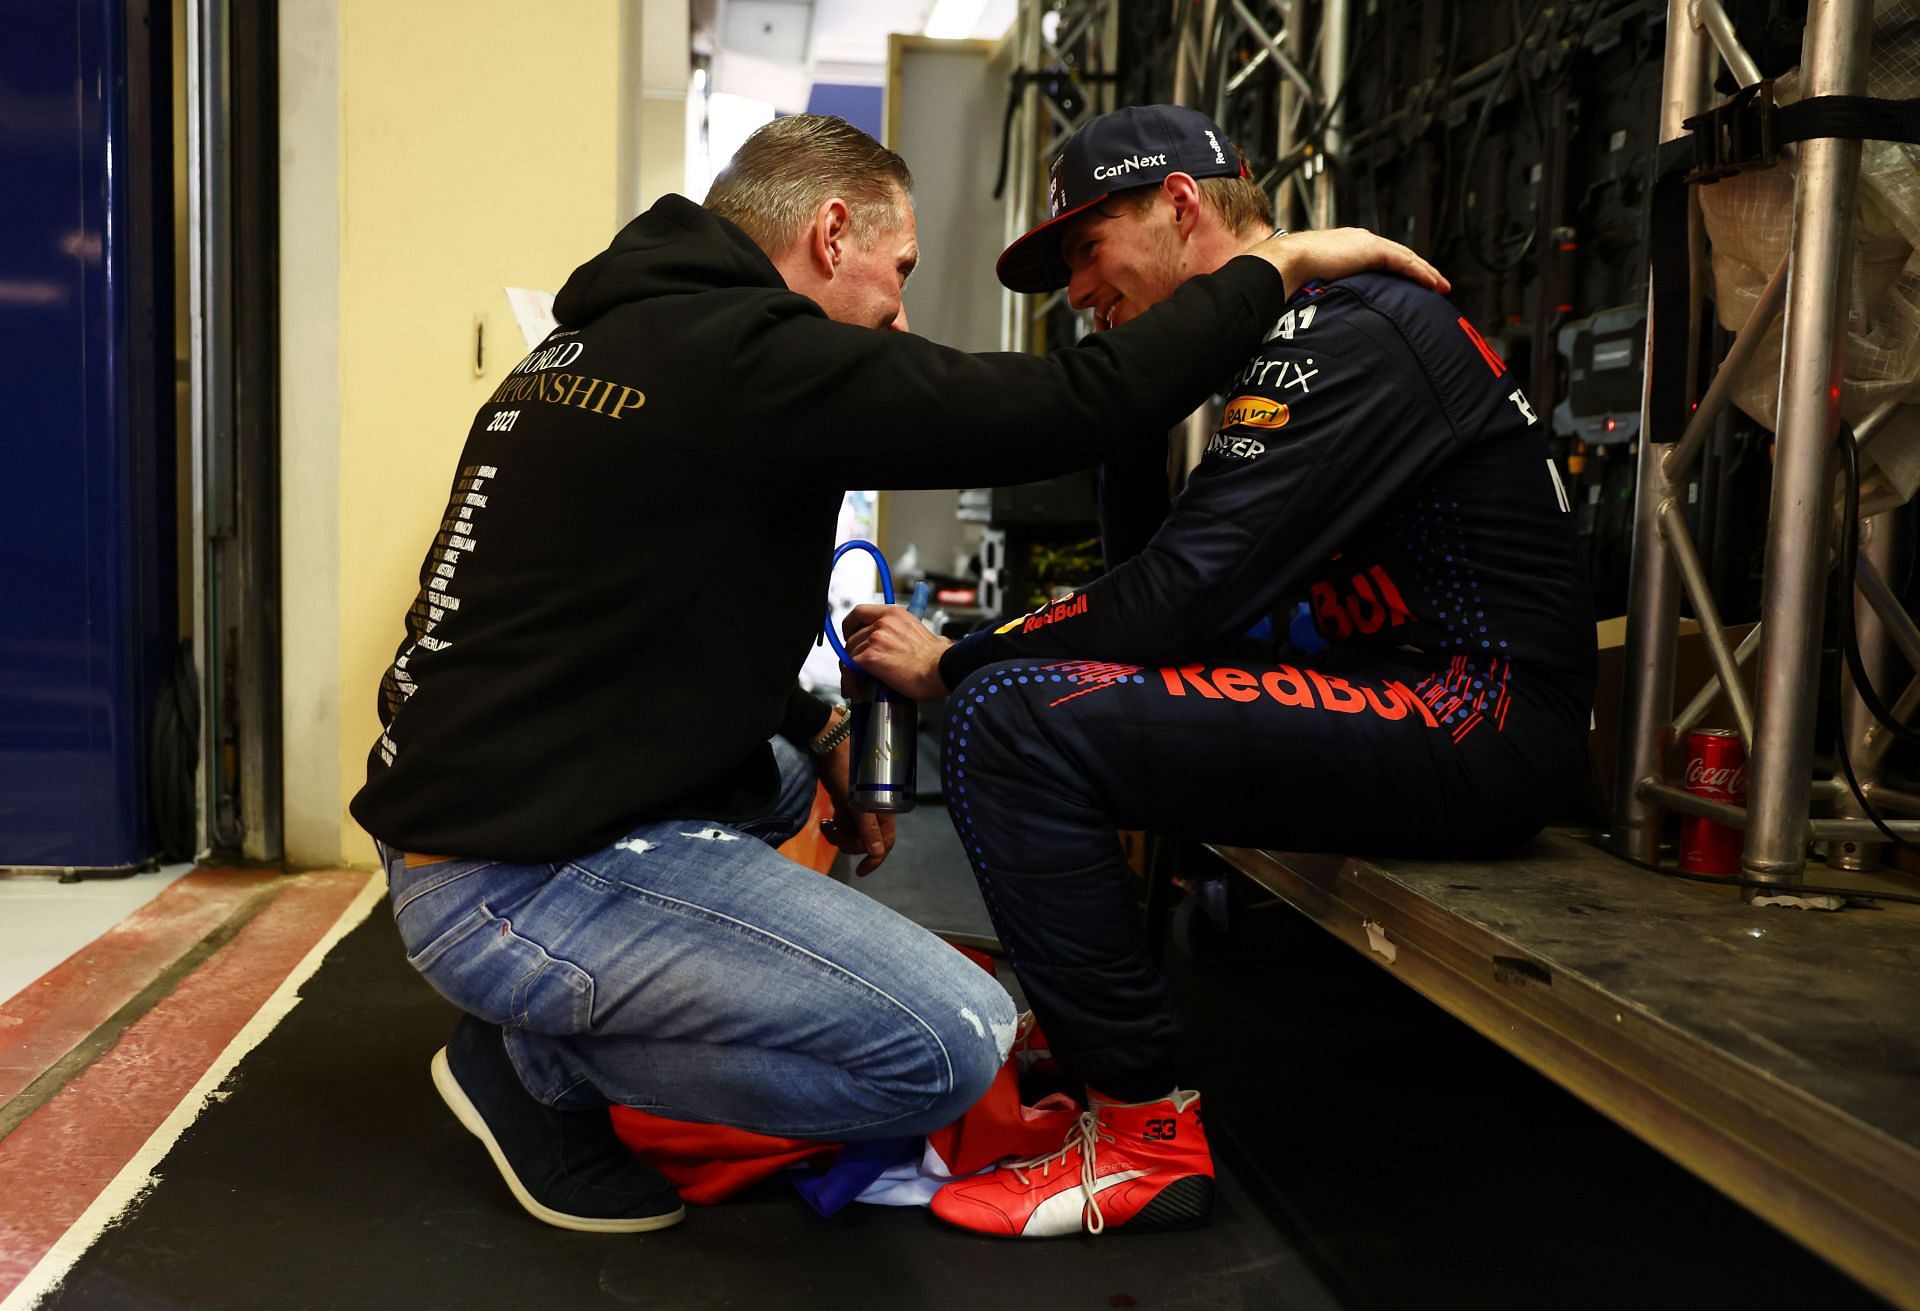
(1309,689)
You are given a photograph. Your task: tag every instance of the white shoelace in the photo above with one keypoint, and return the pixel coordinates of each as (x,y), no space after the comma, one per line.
(1085,1135)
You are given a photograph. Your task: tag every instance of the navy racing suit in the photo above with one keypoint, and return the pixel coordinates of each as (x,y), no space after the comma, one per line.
(1378,459)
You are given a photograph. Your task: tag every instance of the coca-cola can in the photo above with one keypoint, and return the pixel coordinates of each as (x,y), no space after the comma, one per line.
(1717,769)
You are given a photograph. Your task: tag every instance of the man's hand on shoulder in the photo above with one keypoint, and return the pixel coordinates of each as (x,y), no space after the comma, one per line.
(896,648)
(1330,254)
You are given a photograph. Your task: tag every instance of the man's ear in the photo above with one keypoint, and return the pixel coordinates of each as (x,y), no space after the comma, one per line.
(1183,196)
(827,237)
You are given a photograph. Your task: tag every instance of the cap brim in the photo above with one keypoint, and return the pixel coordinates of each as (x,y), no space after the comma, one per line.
(1034,263)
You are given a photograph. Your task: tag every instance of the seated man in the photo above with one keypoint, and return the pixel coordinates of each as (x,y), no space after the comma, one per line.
(1376,457)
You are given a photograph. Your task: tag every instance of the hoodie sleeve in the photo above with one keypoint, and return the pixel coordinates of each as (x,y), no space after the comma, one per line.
(853,406)
(805,716)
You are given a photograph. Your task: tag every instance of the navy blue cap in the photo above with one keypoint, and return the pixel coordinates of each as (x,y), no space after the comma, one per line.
(1132,147)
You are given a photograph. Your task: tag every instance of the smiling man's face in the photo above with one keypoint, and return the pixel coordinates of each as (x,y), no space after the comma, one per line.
(1123,258)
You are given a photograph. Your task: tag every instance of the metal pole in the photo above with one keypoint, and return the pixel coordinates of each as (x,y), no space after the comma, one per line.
(1864,430)
(1693,574)
(1109,92)
(1288,68)
(1715,689)
(1709,14)
(1885,799)
(1653,597)
(1877,549)
(1793,587)
(1193,53)
(1764,310)
(1885,607)
(1189,440)
(1878,740)
(1286,213)
(1862,829)
(1015,324)
(1720,812)
(1333,71)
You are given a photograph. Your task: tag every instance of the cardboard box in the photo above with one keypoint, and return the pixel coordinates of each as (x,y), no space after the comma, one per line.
(1693,667)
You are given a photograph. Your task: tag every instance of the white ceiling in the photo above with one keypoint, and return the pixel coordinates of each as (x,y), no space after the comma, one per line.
(761,42)
(855,31)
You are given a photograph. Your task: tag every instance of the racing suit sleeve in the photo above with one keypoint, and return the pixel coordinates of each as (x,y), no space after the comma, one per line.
(1323,432)
(808,398)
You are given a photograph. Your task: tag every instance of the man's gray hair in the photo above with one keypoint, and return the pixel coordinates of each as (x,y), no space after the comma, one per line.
(783,173)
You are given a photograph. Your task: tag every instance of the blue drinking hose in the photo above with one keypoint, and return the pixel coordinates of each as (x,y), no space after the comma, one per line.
(886,590)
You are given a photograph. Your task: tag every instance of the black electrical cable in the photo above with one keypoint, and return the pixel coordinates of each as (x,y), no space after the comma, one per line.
(1850,572)
(1467,231)
(1383,23)
(1526,82)
(1443,88)
(1006,137)
(1850,640)
(1574,47)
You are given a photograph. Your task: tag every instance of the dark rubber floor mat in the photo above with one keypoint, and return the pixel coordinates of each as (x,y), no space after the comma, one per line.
(328,1175)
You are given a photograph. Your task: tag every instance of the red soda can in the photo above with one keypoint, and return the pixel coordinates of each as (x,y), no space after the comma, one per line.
(1716,768)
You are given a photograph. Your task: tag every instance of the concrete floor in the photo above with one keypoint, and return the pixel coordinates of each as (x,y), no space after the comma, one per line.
(43,921)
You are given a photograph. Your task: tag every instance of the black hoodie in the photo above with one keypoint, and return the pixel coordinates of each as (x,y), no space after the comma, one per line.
(634,556)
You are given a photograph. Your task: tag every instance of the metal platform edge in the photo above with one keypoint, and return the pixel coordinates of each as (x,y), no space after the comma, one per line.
(1840,1187)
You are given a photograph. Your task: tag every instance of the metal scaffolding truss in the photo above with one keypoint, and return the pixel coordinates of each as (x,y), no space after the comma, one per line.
(1776,724)
(1067,55)
(1225,55)
(1223,51)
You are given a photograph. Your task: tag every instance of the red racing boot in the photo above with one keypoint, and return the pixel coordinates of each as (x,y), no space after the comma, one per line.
(1134,1166)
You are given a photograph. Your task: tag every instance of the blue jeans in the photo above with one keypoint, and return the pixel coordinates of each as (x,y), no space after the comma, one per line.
(691,971)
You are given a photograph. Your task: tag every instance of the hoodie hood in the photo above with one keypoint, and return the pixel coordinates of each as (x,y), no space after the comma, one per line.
(676,248)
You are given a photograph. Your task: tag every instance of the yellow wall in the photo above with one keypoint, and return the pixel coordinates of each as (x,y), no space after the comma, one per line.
(438,151)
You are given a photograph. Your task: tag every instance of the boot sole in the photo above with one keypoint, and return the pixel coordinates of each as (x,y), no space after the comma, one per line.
(1183,1204)
(471,1120)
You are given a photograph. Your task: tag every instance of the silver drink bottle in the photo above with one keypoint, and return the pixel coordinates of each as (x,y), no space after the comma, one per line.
(885,748)
(885,741)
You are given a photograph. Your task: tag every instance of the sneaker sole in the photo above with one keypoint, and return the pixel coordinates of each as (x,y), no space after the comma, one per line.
(470,1119)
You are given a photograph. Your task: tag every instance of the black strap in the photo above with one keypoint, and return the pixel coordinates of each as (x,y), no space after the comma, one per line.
(1668,277)
(1850,118)
(1748,129)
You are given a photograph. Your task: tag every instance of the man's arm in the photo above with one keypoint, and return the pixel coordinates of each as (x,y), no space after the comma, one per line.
(1279,491)
(856,407)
